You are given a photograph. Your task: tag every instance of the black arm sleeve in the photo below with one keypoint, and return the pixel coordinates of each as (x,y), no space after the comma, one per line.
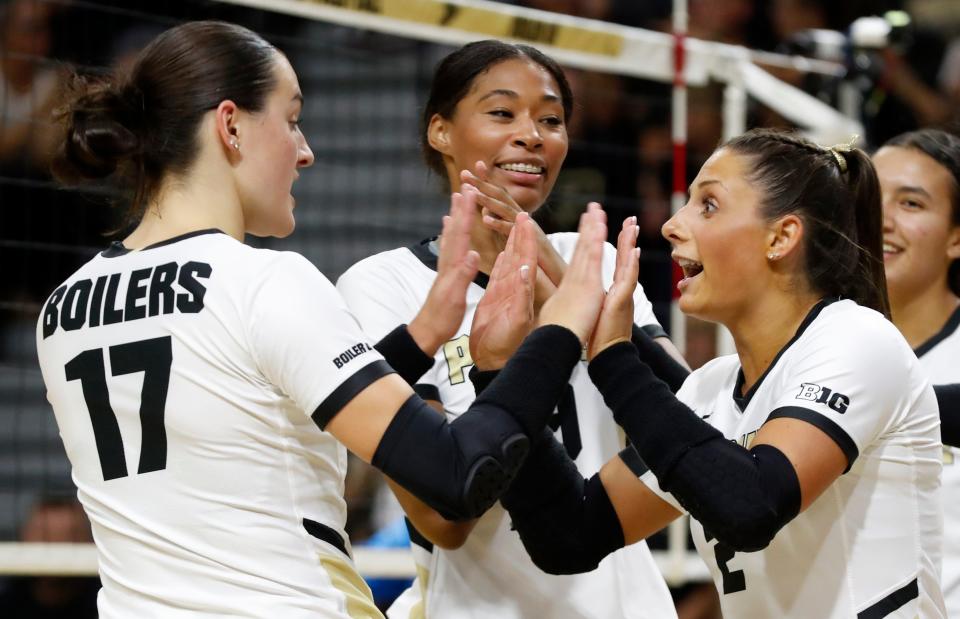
(566,523)
(664,367)
(948,397)
(481,380)
(404,355)
(741,497)
(461,468)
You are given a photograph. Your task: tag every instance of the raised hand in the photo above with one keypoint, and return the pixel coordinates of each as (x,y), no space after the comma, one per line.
(577,301)
(442,312)
(504,315)
(615,323)
(500,211)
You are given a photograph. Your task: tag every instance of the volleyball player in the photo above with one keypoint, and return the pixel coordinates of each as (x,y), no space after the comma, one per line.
(809,461)
(919,175)
(496,121)
(192,376)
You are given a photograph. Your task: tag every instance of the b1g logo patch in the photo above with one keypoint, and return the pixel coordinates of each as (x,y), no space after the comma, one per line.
(812,392)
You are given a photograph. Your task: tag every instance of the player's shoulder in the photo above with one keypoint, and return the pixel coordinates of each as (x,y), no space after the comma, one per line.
(286,266)
(384,260)
(857,343)
(390,263)
(563,242)
(405,272)
(850,329)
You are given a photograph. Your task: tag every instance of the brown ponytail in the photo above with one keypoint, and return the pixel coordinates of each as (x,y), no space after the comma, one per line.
(135,130)
(836,194)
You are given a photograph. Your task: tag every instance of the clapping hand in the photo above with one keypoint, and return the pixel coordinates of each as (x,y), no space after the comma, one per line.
(499,211)
(615,323)
(577,302)
(442,312)
(505,315)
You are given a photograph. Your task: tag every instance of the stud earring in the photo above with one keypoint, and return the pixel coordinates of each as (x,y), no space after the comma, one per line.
(773,256)
(234,143)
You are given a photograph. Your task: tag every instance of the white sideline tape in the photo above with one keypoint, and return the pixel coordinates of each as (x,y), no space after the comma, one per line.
(20,559)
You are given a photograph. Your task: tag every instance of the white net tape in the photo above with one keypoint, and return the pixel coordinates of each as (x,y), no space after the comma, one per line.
(81,560)
(590,45)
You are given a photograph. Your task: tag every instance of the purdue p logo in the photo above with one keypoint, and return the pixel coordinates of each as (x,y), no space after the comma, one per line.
(822,395)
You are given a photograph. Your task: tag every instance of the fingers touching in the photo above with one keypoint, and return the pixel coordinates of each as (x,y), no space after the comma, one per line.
(628,256)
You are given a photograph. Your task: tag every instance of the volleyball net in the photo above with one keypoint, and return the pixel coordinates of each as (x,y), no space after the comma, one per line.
(365,67)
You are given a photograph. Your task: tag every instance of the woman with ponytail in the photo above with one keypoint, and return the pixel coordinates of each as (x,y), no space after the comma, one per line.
(810,460)
(919,174)
(206,391)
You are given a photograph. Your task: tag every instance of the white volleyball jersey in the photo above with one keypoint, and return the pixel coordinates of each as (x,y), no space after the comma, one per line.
(870,545)
(491,575)
(183,378)
(940,357)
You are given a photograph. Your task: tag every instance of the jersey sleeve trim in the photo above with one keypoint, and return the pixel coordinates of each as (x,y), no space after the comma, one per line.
(948,328)
(324,533)
(824,424)
(654,331)
(427,391)
(634,462)
(416,537)
(424,254)
(891,602)
(348,389)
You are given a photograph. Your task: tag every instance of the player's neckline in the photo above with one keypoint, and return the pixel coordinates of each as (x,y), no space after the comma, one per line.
(946,331)
(743,401)
(117,248)
(427,252)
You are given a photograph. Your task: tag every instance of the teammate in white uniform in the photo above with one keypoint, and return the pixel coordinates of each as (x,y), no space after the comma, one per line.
(505,106)
(919,174)
(810,461)
(192,377)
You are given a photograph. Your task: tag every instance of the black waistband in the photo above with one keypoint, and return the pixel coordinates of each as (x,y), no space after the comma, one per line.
(325,533)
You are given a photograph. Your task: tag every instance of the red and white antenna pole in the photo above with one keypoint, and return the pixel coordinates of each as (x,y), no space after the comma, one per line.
(677,531)
(678,323)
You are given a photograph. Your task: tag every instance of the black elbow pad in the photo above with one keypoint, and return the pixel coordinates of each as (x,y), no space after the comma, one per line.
(459,469)
(743,498)
(567,524)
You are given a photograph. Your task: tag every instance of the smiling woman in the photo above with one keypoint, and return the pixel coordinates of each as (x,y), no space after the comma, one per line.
(513,120)
(495,127)
(795,456)
(920,177)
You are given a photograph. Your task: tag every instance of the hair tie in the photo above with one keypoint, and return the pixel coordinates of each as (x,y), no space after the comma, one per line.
(838,151)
